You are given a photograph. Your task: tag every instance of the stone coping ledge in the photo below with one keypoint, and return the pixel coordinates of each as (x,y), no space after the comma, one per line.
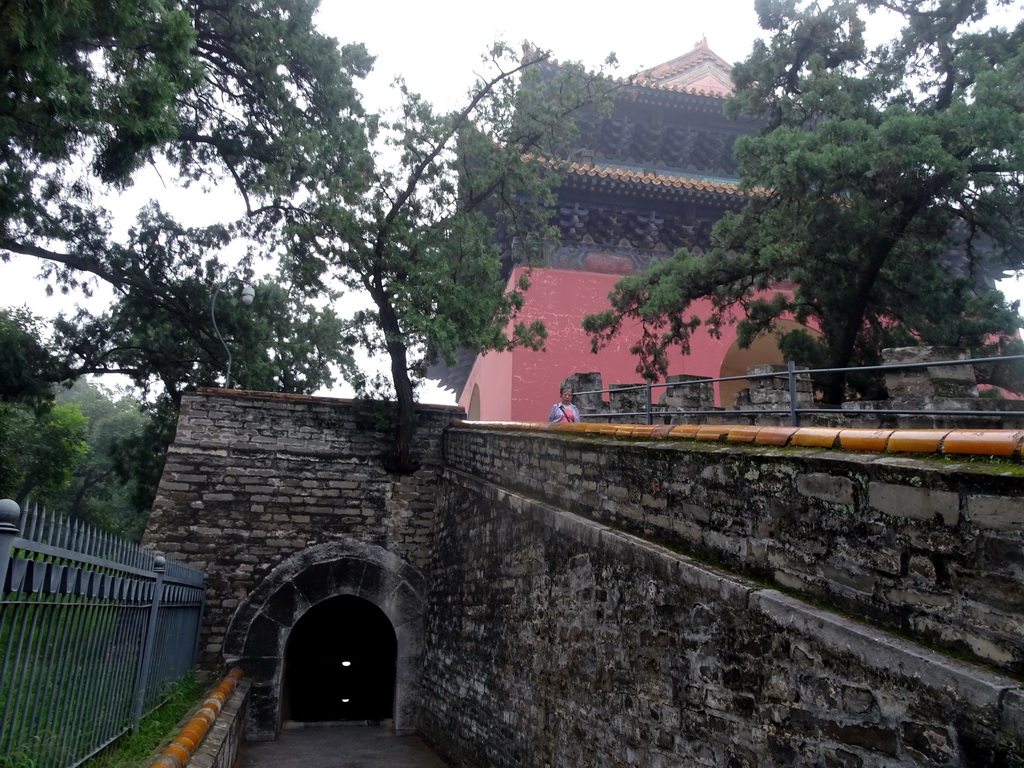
(987,442)
(253,394)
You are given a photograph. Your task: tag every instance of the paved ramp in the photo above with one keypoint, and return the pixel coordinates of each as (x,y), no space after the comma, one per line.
(341,747)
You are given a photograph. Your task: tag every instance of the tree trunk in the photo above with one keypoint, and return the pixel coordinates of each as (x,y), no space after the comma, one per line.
(399,456)
(853,322)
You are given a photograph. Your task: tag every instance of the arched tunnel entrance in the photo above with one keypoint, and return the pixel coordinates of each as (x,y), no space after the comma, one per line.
(340,663)
(313,609)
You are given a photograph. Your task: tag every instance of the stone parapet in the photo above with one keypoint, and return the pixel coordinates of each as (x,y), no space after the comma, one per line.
(925,387)
(556,640)
(926,548)
(947,381)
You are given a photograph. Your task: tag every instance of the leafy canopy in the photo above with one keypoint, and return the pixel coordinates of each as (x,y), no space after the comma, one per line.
(403,208)
(248,96)
(421,242)
(885,188)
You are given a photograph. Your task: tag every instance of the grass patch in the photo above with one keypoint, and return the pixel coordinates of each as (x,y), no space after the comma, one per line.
(135,747)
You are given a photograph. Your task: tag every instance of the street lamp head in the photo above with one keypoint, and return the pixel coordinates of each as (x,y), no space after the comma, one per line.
(247,295)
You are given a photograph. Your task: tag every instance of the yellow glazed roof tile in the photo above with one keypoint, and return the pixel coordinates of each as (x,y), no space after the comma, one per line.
(743,434)
(916,440)
(815,437)
(652,179)
(774,435)
(864,439)
(994,442)
(712,432)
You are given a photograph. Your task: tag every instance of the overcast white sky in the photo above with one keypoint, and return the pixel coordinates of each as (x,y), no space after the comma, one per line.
(437,46)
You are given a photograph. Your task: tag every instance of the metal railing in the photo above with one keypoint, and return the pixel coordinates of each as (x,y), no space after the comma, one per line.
(93,630)
(793,410)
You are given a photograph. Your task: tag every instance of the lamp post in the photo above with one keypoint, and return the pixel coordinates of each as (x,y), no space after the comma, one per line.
(247,295)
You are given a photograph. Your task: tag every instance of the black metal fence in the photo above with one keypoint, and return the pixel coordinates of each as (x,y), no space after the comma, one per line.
(93,630)
(787,397)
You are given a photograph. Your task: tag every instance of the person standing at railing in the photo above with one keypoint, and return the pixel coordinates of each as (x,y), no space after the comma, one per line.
(564,410)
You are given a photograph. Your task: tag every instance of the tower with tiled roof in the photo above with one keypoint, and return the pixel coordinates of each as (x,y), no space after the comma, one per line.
(649,178)
(656,173)
(701,70)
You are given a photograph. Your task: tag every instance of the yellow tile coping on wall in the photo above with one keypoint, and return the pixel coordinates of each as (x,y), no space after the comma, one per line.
(984,442)
(989,442)
(774,435)
(180,750)
(916,440)
(742,434)
(815,437)
(712,432)
(864,439)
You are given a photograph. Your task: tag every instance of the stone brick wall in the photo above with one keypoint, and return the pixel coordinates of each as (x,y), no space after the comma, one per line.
(932,549)
(577,598)
(558,641)
(253,479)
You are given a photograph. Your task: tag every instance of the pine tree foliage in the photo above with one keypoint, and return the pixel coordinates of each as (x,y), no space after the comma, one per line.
(885,188)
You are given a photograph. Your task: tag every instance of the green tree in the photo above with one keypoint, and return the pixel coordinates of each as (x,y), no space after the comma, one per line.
(244,93)
(39,451)
(283,342)
(885,186)
(422,241)
(247,96)
(39,445)
(29,367)
(106,491)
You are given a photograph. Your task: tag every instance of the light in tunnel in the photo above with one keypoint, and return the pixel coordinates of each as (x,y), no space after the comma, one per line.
(342,647)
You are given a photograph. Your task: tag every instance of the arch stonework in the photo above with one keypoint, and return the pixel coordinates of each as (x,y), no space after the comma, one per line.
(764,350)
(258,632)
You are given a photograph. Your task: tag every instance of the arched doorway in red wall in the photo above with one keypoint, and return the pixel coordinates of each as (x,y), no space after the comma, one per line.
(763,350)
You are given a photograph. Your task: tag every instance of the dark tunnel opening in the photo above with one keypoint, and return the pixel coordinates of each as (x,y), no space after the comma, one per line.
(340,663)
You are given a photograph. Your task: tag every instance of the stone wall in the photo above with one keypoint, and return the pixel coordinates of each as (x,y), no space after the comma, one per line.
(577,598)
(928,548)
(558,641)
(254,479)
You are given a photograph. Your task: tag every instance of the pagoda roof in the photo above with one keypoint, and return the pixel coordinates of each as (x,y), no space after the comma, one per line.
(640,178)
(700,71)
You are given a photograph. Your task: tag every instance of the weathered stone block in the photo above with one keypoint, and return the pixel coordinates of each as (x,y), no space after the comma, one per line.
(931,742)
(915,503)
(687,392)
(940,381)
(1004,513)
(830,488)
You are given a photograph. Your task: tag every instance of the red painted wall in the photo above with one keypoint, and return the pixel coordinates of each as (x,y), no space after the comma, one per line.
(522,385)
